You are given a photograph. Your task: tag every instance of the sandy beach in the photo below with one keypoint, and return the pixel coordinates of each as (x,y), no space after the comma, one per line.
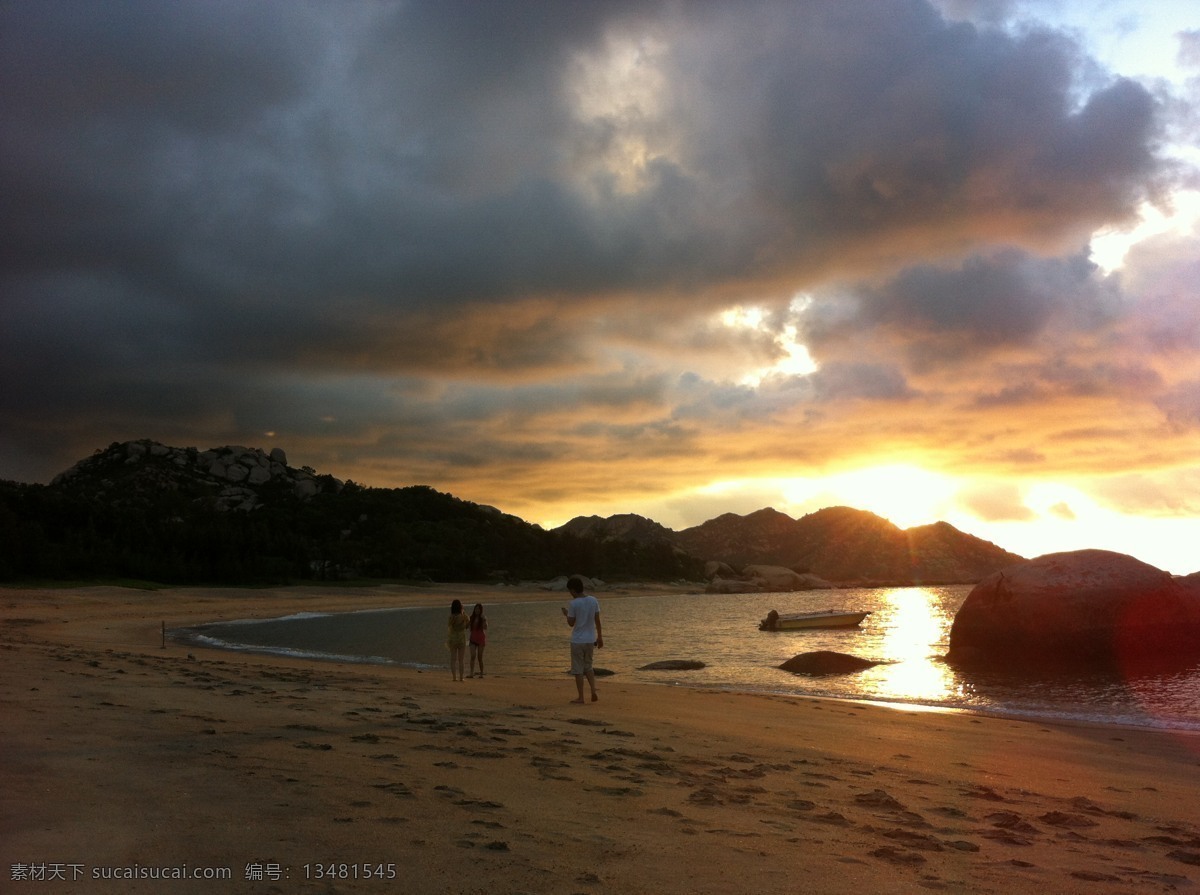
(124,757)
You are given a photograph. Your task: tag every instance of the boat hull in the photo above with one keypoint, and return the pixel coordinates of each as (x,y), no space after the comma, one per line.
(830,618)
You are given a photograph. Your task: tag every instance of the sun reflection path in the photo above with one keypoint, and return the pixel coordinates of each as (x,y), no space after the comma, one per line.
(915,628)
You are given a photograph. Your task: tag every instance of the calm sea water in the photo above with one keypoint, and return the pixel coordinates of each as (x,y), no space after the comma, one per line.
(908,631)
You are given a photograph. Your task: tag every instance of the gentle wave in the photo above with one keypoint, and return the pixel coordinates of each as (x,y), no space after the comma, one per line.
(184,636)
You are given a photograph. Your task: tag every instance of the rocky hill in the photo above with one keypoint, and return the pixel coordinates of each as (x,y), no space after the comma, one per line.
(622,527)
(737,540)
(140,473)
(237,515)
(233,514)
(240,515)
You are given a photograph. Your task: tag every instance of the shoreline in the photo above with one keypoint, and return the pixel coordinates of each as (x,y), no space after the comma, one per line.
(121,751)
(999,714)
(532,593)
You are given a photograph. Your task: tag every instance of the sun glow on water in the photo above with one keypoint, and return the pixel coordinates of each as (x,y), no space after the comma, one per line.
(914,628)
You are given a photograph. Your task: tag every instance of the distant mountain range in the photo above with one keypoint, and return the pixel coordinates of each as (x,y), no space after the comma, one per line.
(839,544)
(238,515)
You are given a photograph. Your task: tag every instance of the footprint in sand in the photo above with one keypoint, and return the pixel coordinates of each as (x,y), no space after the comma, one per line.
(480,804)
(1083,803)
(549,768)
(918,841)
(880,800)
(961,845)
(396,789)
(1091,876)
(983,792)
(951,811)
(666,812)
(1012,822)
(615,790)
(1064,820)
(705,796)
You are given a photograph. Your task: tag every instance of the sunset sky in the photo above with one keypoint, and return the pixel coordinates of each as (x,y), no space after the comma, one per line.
(936,260)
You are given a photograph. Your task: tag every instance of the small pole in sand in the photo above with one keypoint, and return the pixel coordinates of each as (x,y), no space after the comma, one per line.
(164,636)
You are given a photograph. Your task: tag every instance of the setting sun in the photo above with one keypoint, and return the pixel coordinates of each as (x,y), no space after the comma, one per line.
(903,494)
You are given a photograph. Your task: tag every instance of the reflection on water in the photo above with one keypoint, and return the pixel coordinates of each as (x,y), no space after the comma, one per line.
(1172,698)
(907,632)
(915,630)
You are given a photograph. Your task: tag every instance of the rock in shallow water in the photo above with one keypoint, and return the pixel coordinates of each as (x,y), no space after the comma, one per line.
(673,665)
(1084,607)
(826,662)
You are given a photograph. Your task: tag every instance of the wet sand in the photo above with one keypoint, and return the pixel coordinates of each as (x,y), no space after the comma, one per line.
(122,756)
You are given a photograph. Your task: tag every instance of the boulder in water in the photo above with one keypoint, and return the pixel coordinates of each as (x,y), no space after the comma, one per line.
(673,665)
(1093,608)
(824,662)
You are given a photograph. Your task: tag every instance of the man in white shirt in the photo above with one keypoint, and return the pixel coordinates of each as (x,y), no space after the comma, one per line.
(583,615)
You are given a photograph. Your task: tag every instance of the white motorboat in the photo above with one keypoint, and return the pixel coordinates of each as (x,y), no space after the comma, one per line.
(823,618)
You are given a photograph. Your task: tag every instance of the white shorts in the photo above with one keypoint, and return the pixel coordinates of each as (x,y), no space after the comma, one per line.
(581,657)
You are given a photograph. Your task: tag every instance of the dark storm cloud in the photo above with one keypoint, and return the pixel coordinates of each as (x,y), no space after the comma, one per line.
(896,128)
(1034,385)
(987,302)
(108,109)
(210,66)
(417,151)
(865,381)
(204,193)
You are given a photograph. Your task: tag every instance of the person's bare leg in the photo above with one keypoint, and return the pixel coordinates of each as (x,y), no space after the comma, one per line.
(579,687)
(591,678)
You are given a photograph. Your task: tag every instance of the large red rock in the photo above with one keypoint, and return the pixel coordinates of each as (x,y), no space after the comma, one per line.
(1092,607)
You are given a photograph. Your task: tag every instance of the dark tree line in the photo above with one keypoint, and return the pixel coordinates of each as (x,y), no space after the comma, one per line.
(175,535)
